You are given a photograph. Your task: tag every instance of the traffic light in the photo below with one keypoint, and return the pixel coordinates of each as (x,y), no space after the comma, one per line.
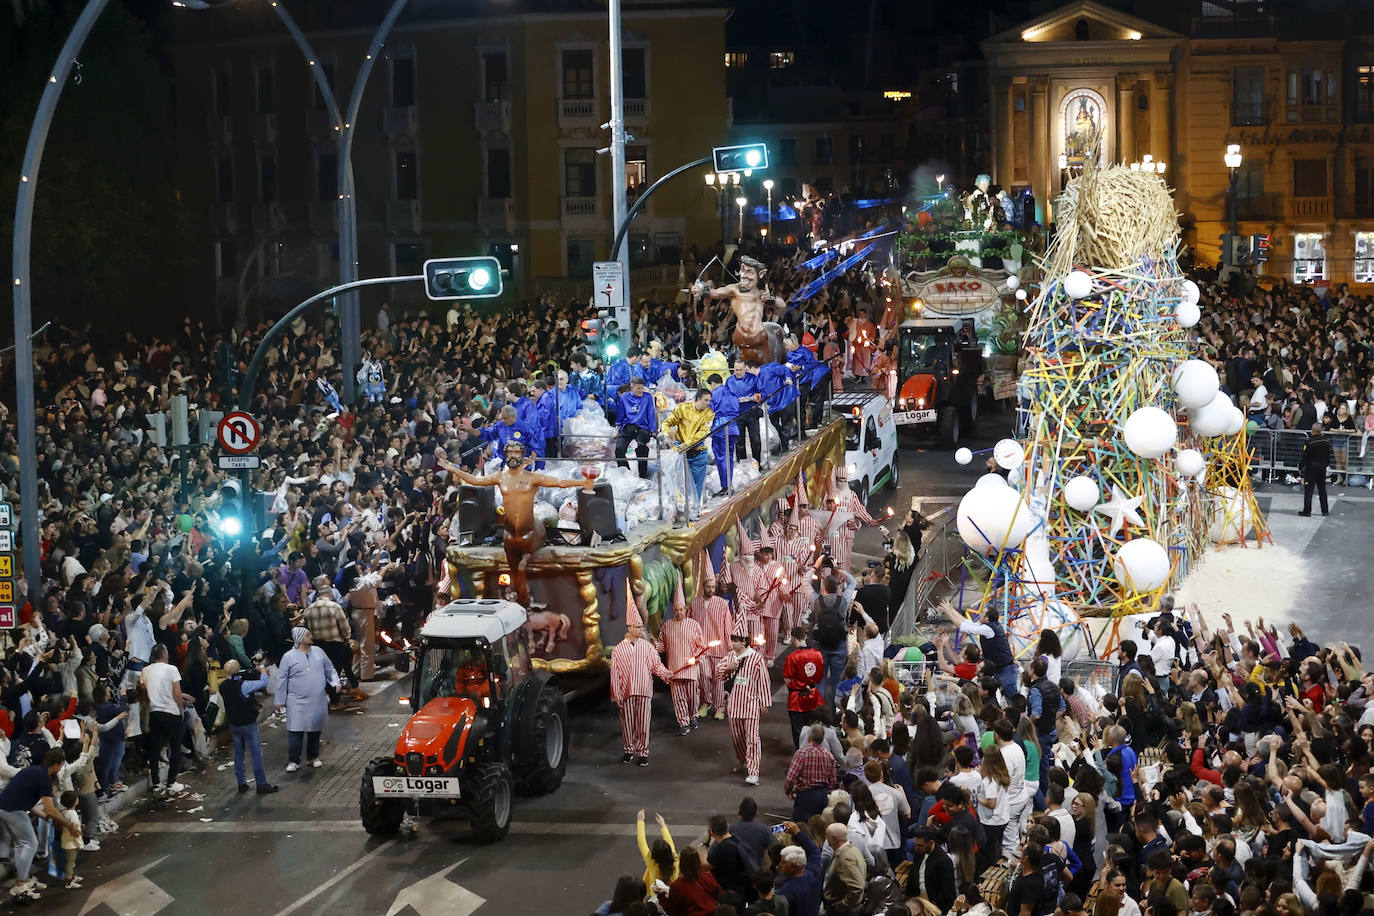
(1259,248)
(1234,250)
(591,333)
(232,516)
(613,335)
(463,278)
(750,156)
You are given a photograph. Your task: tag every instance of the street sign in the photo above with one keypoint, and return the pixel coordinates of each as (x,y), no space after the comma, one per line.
(6,566)
(8,618)
(608,284)
(6,516)
(6,592)
(239,432)
(239,462)
(6,541)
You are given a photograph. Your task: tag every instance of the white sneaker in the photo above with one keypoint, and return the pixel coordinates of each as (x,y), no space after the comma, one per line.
(159,789)
(91,846)
(751,780)
(175,787)
(292,767)
(317,762)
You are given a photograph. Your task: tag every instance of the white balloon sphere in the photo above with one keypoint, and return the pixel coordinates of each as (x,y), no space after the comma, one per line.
(1082,493)
(1189,462)
(963,456)
(1141,565)
(990,480)
(1014,477)
(1150,432)
(1191,294)
(1196,383)
(1234,423)
(1021,295)
(990,518)
(1013,281)
(1078,284)
(1187,314)
(1230,516)
(1008,454)
(1213,419)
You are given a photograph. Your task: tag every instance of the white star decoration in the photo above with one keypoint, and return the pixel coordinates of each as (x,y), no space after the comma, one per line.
(1120,509)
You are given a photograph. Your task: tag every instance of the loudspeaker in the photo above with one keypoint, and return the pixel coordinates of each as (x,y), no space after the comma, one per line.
(596,513)
(476,514)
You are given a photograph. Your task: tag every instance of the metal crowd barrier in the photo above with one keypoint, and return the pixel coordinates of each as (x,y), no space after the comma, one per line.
(1278,453)
(942,551)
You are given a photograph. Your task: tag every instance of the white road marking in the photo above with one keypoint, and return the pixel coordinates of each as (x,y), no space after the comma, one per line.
(332,881)
(352,825)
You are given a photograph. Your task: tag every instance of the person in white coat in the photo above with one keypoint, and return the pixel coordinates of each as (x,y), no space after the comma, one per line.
(302,678)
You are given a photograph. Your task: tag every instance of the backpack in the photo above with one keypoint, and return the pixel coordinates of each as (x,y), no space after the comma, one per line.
(830,628)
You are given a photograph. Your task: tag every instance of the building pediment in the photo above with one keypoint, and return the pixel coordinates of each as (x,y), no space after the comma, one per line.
(1083,21)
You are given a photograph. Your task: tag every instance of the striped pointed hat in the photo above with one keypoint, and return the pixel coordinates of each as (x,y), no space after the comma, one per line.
(679,600)
(740,629)
(802,496)
(632,616)
(708,571)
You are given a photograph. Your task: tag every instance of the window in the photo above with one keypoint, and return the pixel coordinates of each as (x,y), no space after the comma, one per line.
(823,153)
(407,183)
(1309,257)
(402,82)
(1309,178)
(787,151)
(498,173)
(581,254)
(224,180)
(326,176)
(856,148)
(887,147)
(1364,188)
(1364,257)
(1364,93)
(406,254)
(781,60)
(265,91)
(579,172)
(1247,96)
(634,74)
(791,187)
(226,258)
(1311,86)
(636,167)
(222,93)
(577,74)
(494,76)
(952,81)
(267,178)
(736,60)
(328,70)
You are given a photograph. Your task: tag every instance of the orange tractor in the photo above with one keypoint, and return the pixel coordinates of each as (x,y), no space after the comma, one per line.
(939,367)
(485,726)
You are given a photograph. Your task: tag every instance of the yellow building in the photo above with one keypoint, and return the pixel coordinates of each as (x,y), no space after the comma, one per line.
(1301,108)
(477,134)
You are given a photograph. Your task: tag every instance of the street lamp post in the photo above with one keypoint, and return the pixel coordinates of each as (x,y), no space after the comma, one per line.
(768,189)
(1233,159)
(740,202)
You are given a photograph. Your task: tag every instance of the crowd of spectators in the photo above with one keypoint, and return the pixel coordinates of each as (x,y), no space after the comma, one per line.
(1216,772)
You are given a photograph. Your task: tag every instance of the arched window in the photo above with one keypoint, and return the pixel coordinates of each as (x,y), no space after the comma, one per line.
(1080,31)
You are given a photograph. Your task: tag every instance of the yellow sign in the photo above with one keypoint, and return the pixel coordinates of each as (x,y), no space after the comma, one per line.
(6,592)
(6,567)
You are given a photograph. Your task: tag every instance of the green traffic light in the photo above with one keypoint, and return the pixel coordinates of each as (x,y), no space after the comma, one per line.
(231,526)
(612,350)
(753,157)
(479,277)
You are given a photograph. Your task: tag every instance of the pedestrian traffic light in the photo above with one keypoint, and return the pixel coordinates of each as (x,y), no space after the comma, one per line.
(463,278)
(591,333)
(1259,248)
(231,509)
(746,156)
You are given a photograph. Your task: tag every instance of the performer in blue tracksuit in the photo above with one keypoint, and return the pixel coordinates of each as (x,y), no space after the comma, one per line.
(546,407)
(743,386)
(779,391)
(524,407)
(724,435)
(569,398)
(587,380)
(813,379)
(638,423)
(510,429)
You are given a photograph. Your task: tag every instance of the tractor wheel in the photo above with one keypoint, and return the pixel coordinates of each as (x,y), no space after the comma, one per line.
(542,757)
(381,816)
(971,415)
(947,426)
(489,802)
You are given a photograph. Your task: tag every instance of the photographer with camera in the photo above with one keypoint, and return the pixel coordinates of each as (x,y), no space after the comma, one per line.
(241,710)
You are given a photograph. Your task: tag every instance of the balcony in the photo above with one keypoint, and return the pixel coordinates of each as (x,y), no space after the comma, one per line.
(225,217)
(319,126)
(399,120)
(577,113)
(268,216)
(581,212)
(1309,209)
(492,117)
(263,129)
(636,111)
(403,216)
(324,216)
(496,214)
(221,128)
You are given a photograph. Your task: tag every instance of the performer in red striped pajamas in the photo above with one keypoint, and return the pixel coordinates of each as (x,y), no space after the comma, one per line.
(634,665)
(681,640)
(712,614)
(750,694)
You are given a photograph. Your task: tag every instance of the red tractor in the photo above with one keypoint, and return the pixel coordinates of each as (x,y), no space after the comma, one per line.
(485,726)
(939,365)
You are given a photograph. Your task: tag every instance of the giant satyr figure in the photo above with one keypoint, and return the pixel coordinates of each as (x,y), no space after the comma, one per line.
(756,339)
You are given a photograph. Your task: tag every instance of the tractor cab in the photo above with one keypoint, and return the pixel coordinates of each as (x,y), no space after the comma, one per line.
(939,363)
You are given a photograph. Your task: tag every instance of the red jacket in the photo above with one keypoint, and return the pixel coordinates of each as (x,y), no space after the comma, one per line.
(692,898)
(802,671)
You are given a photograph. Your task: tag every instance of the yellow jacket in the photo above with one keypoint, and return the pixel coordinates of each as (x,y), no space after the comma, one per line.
(651,870)
(688,423)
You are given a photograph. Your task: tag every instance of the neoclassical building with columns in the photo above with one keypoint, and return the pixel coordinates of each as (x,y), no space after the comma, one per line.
(1298,100)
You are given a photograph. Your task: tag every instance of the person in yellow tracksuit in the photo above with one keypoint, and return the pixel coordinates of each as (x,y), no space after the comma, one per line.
(687,427)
